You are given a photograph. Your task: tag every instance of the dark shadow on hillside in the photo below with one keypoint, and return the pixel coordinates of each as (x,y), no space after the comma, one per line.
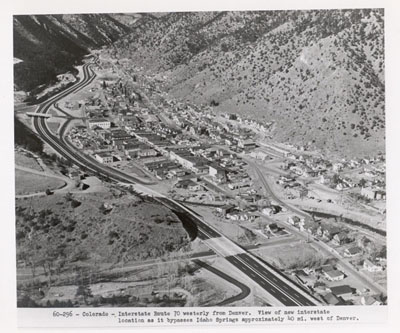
(188,224)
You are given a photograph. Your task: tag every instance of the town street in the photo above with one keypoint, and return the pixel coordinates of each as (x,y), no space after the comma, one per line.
(280,290)
(320,246)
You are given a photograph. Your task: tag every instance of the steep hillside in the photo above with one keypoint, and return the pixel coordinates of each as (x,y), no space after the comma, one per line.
(48,45)
(319,75)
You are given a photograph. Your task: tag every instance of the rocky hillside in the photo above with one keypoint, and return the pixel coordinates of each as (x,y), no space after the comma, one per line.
(319,75)
(49,45)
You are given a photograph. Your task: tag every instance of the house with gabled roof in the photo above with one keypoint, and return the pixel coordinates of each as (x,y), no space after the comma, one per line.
(340,238)
(332,274)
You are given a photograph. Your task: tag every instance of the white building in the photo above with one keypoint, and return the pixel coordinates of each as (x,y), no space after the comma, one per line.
(99,122)
(104,157)
(259,155)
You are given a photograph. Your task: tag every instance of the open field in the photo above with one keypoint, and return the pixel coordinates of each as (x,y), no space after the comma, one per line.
(26,183)
(290,256)
(24,160)
(54,126)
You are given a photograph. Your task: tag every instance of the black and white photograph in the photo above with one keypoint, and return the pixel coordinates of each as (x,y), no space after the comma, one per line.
(197,159)
(200,166)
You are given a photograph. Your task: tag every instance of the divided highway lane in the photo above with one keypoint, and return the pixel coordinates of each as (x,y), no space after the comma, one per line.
(62,147)
(43,107)
(274,280)
(268,278)
(276,285)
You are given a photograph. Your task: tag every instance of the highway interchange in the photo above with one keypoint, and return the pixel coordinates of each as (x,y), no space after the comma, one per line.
(279,288)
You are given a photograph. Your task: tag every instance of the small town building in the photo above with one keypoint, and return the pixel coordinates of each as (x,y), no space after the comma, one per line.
(74,174)
(246,144)
(147,152)
(188,184)
(259,155)
(373,194)
(331,299)
(340,238)
(342,291)
(372,267)
(104,157)
(225,209)
(294,220)
(99,122)
(218,173)
(328,232)
(332,274)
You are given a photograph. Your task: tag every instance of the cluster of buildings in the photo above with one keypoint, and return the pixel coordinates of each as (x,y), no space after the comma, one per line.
(369,182)
(327,282)
(174,143)
(325,231)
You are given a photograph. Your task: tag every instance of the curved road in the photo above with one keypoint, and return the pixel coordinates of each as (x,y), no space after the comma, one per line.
(320,246)
(281,290)
(244,290)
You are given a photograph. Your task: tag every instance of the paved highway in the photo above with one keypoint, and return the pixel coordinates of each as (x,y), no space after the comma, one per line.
(278,286)
(263,274)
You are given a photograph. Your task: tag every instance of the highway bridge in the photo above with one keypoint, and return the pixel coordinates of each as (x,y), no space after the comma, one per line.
(37,114)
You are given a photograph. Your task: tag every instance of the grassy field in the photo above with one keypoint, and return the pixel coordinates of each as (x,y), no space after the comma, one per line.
(26,183)
(26,161)
(54,126)
(291,256)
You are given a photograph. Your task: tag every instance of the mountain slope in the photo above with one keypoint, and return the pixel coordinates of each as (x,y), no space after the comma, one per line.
(319,75)
(50,44)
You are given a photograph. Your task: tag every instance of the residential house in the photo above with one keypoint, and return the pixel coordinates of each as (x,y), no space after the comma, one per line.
(336,167)
(342,291)
(331,299)
(340,238)
(371,267)
(304,278)
(328,232)
(267,211)
(332,274)
(239,216)
(294,220)
(188,184)
(312,229)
